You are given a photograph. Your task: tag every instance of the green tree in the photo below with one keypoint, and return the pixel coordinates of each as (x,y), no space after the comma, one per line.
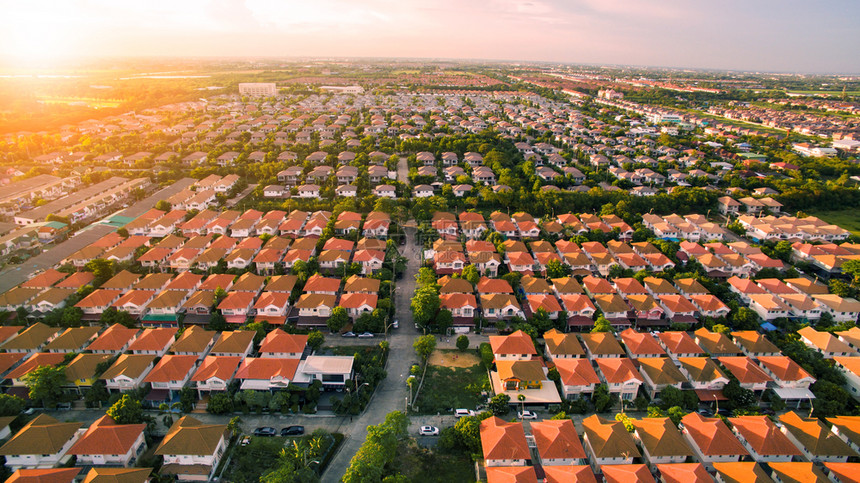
(11,405)
(601,325)
(626,421)
(102,270)
(163,205)
(315,340)
(556,269)
(470,273)
(127,410)
(852,268)
(424,305)
(499,404)
(444,320)
(487,356)
(97,394)
(721,329)
(217,321)
(462,343)
(220,403)
(338,319)
(424,346)
(601,398)
(46,384)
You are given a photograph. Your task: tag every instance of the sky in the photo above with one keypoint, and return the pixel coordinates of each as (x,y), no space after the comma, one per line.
(756,35)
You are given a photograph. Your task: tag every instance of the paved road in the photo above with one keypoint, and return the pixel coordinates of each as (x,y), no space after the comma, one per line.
(402,170)
(392,393)
(21,273)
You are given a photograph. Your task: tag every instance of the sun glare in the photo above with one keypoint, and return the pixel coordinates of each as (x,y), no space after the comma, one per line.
(32,43)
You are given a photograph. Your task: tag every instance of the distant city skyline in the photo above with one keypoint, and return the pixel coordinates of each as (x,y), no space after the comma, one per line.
(765,35)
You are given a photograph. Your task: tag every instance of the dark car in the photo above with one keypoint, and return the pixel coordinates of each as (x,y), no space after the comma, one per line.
(265,431)
(293,431)
(725,413)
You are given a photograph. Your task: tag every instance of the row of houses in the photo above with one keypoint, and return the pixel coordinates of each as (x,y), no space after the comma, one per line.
(747,448)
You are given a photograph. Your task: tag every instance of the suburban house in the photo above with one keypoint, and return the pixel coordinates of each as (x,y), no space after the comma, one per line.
(192,450)
(503,443)
(763,439)
(814,439)
(266,373)
(711,440)
(215,373)
(127,372)
(661,441)
(31,447)
(607,442)
(106,443)
(578,377)
(558,443)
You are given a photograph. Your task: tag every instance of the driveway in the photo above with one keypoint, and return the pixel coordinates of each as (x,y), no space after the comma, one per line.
(392,393)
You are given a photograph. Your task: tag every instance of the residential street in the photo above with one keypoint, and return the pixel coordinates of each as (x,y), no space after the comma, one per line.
(392,393)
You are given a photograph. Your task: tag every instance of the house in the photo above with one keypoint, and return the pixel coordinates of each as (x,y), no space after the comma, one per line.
(154,341)
(192,450)
(769,306)
(517,346)
(798,471)
(791,382)
(578,377)
(215,373)
(825,343)
(558,345)
(48,475)
(740,472)
(280,344)
(236,306)
(620,375)
(114,340)
(42,443)
(711,440)
(661,441)
(32,363)
(31,339)
(684,473)
(660,373)
(272,304)
(81,371)
(520,375)
(601,344)
(748,373)
(170,375)
(842,309)
(332,371)
(127,372)
(607,442)
(106,443)
(503,443)
(98,301)
(266,373)
(422,191)
(500,306)
(754,344)
(315,304)
(715,343)
(558,443)
(705,376)
(763,440)
(238,343)
(814,439)
(641,344)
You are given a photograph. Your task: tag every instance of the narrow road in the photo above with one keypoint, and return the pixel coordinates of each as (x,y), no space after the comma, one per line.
(392,393)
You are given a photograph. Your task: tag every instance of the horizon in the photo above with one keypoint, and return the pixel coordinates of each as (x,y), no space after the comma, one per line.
(735,37)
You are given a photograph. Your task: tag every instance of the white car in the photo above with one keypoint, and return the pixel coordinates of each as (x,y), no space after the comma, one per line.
(428,431)
(462,413)
(527,415)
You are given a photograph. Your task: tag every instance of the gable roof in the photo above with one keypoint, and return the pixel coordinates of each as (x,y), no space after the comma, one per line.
(171,368)
(745,370)
(153,339)
(635,473)
(602,343)
(660,437)
(501,440)
(105,436)
(684,473)
(562,344)
(42,435)
(567,474)
(763,436)
(113,338)
(128,365)
(609,438)
(30,338)
(741,472)
(45,475)
(278,342)
(557,439)
(641,343)
(516,343)
(661,370)
(188,436)
(815,436)
(220,367)
(117,475)
(712,436)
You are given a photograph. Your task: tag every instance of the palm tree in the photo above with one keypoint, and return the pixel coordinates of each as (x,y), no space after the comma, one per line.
(522,399)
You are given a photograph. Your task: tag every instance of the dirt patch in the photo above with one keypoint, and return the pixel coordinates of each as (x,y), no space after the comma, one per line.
(453,359)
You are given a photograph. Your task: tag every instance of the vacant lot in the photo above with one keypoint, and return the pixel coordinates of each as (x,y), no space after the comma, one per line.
(422,465)
(448,358)
(455,384)
(847,219)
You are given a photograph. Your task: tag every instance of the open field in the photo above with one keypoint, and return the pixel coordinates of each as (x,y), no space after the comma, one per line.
(422,465)
(449,386)
(847,219)
(453,359)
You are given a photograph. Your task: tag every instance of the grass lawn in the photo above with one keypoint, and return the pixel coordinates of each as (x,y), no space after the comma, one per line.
(847,219)
(451,387)
(249,462)
(421,465)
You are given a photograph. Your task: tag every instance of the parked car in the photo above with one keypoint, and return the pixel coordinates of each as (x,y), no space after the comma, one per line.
(725,413)
(265,431)
(348,334)
(707,413)
(527,415)
(461,413)
(246,441)
(293,431)
(365,335)
(428,431)
(395,324)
